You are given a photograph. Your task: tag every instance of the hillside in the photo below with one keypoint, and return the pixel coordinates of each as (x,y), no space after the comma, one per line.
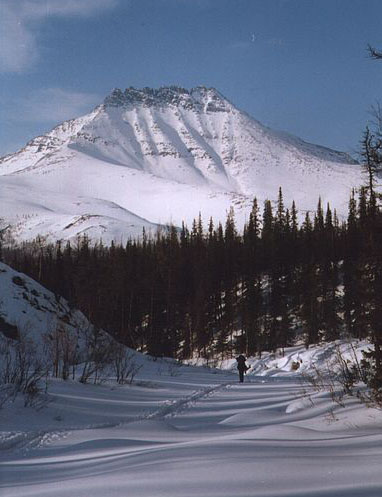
(30,310)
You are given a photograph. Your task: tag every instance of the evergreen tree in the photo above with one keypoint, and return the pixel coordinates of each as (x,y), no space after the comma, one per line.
(267,235)
(309,308)
(371,153)
(319,218)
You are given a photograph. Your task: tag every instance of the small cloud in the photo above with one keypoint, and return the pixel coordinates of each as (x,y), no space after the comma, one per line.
(20,21)
(275,42)
(255,39)
(241,45)
(18,48)
(42,9)
(51,105)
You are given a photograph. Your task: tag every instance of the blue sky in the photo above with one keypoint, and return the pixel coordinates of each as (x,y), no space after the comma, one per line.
(296,65)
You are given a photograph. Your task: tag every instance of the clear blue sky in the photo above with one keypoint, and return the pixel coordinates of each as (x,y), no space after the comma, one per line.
(296,65)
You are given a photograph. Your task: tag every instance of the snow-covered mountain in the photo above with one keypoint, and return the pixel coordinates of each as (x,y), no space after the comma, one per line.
(147,157)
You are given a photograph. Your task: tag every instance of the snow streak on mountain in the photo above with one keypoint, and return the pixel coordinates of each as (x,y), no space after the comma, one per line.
(146,157)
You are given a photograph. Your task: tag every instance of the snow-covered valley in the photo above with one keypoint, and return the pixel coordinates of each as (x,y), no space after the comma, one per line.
(196,432)
(179,430)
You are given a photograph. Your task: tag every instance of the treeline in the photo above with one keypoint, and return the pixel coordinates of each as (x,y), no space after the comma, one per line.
(210,291)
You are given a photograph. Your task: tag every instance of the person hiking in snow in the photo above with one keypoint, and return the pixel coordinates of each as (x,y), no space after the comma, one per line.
(241,366)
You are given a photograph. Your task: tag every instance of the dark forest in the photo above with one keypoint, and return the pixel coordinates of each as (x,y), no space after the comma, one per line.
(211,292)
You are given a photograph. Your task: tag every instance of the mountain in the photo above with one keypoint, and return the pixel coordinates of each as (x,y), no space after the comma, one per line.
(147,157)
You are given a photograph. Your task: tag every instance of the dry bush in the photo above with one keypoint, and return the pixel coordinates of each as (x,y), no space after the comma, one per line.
(341,377)
(22,370)
(124,365)
(61,349)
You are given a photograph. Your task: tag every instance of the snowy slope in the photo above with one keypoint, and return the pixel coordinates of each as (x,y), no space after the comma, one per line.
(298,360)
(57,214)
(29,310)
(159,156)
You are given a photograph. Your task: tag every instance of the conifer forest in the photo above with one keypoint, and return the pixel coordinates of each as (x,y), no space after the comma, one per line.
(208,291)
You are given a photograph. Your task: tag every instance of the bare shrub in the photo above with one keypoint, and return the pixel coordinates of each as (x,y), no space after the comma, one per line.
(61,349)
(173,367)
(22,370)
(323,380)
(124,365)
(97,354)
(345,376)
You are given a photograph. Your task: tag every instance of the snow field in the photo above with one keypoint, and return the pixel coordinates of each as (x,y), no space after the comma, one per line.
(196,434)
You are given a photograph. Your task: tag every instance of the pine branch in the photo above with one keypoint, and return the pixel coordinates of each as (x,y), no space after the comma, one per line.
(374,53)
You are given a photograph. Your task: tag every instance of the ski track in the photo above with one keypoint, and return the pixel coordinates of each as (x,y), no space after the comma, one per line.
(263,438)
(24,441)
(177,406)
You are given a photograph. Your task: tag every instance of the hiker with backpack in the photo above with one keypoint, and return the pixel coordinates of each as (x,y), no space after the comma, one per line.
(241,366)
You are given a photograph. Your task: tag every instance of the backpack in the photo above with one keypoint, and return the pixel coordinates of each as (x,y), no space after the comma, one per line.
(241,362)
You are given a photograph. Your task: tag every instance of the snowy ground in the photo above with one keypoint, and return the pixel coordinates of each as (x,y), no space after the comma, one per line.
(190,432)
(184,431)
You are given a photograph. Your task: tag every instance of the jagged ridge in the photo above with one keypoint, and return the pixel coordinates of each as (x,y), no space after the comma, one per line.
(167,95)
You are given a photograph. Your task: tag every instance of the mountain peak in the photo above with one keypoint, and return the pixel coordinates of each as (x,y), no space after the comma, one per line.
(149,156)
(200,96)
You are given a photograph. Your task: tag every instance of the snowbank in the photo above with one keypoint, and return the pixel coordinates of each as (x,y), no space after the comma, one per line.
(298,360)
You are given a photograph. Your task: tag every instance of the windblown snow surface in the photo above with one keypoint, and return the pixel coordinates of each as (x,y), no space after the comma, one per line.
(185,430)
(192,432)
(149,157)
